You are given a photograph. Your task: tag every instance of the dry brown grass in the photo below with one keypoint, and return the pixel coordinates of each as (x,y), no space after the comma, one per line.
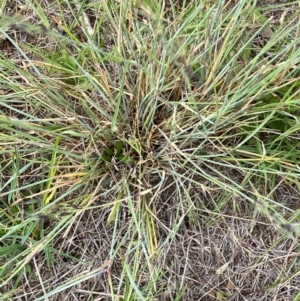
(210,245)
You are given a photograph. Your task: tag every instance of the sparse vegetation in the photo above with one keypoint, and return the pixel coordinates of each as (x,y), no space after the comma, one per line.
(149,150)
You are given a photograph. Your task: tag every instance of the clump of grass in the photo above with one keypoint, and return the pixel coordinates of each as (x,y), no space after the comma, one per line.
(124,163)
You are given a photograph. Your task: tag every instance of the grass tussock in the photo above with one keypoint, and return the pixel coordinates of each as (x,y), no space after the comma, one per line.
(149,150)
